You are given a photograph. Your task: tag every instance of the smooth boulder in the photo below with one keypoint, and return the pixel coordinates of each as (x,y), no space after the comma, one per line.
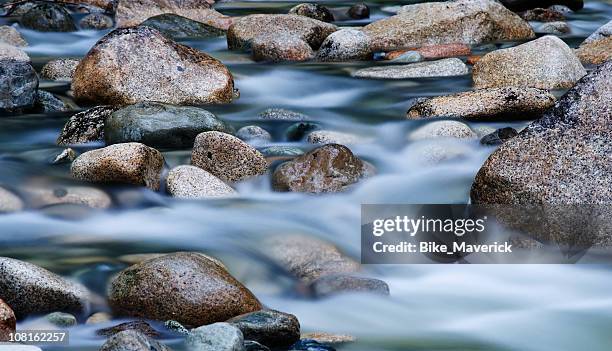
(345,283)
(345,45)
(18,85)
(316,11)
(274,329)
(443,129)
(190,182)
(280,47)
(118,71)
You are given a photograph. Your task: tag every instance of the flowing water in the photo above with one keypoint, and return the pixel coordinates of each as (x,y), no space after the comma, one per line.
(431,307)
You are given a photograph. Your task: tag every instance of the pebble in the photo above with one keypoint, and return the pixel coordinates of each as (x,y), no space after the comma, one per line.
(312,10)
(141,327)
(342,283)
(131,340)
(11,36)
(59,70)
(556,28)
(66,156)
(190,182)
(280,47)
(215,337)
(8,321)
(345,45)
(9,202)
(359,11)
(129,163)
(274,329)
(61,320)
(39,197)
(18,84)
(96,21)
(443,129)
(48,17)
(179,27)
(227,157)
(499,136)
(441,68)
(333,137)
(281,114)
(85,127)
(254,134)
(98,318)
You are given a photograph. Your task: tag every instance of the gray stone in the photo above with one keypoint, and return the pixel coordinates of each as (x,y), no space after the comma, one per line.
(329,338)
(11,36)
(30,289)
(271,328)
(129,163)
(131,340)
(316,11)
(602,32)
(344,283)
(18,85)
(509,103)
(281,152)
(179,27)
(556,28)
(9,52)
(61,319)
(443,129)
(141,327)
(196,291)
(544,63)
(215,337)
(441,68)
(8,322)
(227,157)
(345,45)
(47,103)
(118,71)
(190,182)
(253,134)
(9,202)
(280,47)
(522,5)
(281,114)
(96,21)
(60,69)
(85,127)
(48,17)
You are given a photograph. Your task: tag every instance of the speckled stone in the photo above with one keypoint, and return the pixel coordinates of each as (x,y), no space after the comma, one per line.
(271,328)
(333,137)
(434,52)
(241,34)
(441,68)
(329,168)
(9,52)
(555,28)
(61,319)
(11,36)
(9,202)
(602,32)
(85,127)
(596,51)
(130,163)
(179,27)
(215,337)
(280,47)
(131,340)
(253,134)
(47,103)
(190,182)
(345,45)
(118,71)
(96,21)
(328,338)
(30,289)
(60,69)
(196,291)
(139,326)
(78,195)
(227,157)
(542,15)
(544,63)
(18,85)
(281,114)
(98,318)
(486,105)
(460,21)
(344,283)
(308,258)
(8,321)
(443,129)
(48,17)
(176,327)
(312,10)
(132,13)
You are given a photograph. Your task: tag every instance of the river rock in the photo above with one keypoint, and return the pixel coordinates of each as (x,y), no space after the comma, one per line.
(344,283)
(8,322)
(47,102)
(176,327)
(179,27)
(281,114)
(160,125)
(271,328)
(190,182)
(359,11)
(499,136)
(460,21)
(281,152)
(441,68)
(86,126)
(215,337)
(60,69)
(48,17)
(597,48)
(241,34)
(227,157)
(542,15)
(443,129)
(61,319)
(316,11)
(544,63)
(118,71)
(130,163)
(131,340)
(96,21)
(522,5)
(332,137)
(9,202)
(30,289)
(345,45)
(9,52)
(254,134)
(18,85)
(139,326)
(196,291)
(108,6)
(508,103)
(432,52)
(555,28)
(279,47)
(132,13)
(10,36)
(79,195)
(329,168)
(602,32)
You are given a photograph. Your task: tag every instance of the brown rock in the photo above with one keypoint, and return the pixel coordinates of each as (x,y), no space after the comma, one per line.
(595,52)
(433,52)
(8,321)
(195,291)
(472,59)
(542,15)
(280,47)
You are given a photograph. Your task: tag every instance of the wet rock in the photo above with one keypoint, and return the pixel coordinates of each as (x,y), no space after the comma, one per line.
(556,28)
(10,36)
(443,129)
(66,156)
(8,322)
(297,131)
(61,320)
(269,327)
(227,157)
(499,136)
(190,182)
(316,11)
(118,71)
(602,32)
(9,202)
(87,6)
(342,283)
(281,114)
(250,345)
(61,69)
(96,21)
(329,339)
(542,15)
(544,63)
(12,53)
(18,85)
(48,17)
(176,327)
(404,57)
(47,103)
(196,291)
(332,137)
(253,134)
(86,126)
(241,34)
(310,345)
(441,68)
(329,168)
(132,13)
(434,52)
(486,105)
(141,327)
(279,47)
(461,21)
(597,48)
(78,195)
(215,337)
(131,340)
(179,27)
(30,289)
(359,11)
(98,318)
(160,125)
(345,45)
(129,163)
(280,152)
(522,5)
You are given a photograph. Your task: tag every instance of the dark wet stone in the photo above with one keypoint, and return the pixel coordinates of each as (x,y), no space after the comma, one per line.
(18,85)
(310,345)
(298,131)
(48,17)
(8,322)
(86,126)
(176,327)
(250,345)
(542,15)
(359,11)
(343,283)
(61,320)
(271,328)
(179,27)
(131,340)
(281,114)
(316,11)
(96,21)
(499,137)
(47,102)
(523,5)
(11,36)
(215,337)
(139,326)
